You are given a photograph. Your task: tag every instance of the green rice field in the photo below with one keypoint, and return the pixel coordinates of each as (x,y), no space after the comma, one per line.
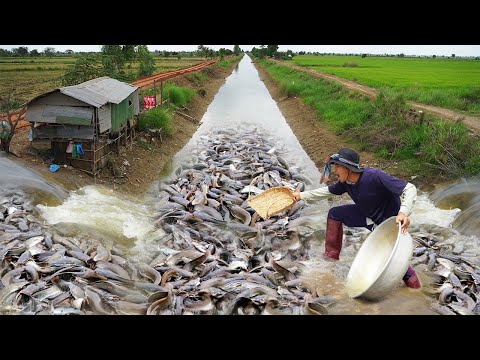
(452,83)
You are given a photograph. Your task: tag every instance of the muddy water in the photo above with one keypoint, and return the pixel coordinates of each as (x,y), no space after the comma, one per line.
(243,102)
(328,278)
(11,174)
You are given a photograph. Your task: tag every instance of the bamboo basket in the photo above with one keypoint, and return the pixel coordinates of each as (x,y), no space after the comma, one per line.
(272,201)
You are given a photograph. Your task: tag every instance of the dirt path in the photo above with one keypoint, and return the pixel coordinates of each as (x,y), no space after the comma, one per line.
(470,121)
(150,80)
(318,142)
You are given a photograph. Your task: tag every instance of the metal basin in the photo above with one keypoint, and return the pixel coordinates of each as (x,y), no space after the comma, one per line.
(380,263)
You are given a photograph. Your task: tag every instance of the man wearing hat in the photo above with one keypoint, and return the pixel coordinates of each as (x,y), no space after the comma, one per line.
(376,196)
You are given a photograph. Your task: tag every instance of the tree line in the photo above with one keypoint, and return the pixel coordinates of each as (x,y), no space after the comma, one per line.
(207,53)
(113,59)
(22,51)
(272,51)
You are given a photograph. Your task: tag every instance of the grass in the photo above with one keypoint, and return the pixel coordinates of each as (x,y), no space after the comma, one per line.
(338,107)
(156,118)
(385,126)
(447,82)
(176,95)
(160,117)
(226,62)
(197,77)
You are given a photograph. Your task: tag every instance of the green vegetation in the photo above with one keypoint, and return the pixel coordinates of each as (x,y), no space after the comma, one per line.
(236,50)
(156,118)
(84,69)
(178,96)
(265,50)
(161,117)
(197,77)
(447,82)
(147,61)
(385,126)
(226,62)
(206,52)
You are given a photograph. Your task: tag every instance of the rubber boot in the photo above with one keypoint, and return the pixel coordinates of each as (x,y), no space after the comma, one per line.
(333,238)
(411,279)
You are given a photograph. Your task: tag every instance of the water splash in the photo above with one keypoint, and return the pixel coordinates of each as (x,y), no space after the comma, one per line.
(464,194)
(425,212)
(13,175)
(103,209)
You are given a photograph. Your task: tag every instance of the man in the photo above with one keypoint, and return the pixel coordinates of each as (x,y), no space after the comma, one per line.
(376,194)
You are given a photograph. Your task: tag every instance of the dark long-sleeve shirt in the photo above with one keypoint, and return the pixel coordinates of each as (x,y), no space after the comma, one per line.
(376,193)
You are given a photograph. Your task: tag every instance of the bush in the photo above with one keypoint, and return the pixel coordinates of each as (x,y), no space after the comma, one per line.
(178,95)
(444,146)
(451,149)
(289,88)
(382,124)
(156,118)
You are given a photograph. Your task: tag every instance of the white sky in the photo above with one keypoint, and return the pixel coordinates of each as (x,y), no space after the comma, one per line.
(458,50)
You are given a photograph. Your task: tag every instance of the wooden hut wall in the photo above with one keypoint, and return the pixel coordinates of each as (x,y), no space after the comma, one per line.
(60,131)
(51,108)
(105,118)
(136,102)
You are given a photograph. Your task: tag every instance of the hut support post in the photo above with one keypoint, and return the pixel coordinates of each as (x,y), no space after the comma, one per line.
(161,93)
(155,92)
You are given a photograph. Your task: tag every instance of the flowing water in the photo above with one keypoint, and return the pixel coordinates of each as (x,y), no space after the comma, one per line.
(463,195)
(12,174)
(243,103)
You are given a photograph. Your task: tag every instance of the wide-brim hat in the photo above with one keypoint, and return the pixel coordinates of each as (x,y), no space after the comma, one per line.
(348,158)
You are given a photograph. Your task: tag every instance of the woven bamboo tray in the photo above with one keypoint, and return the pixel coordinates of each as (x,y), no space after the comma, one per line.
(272,201)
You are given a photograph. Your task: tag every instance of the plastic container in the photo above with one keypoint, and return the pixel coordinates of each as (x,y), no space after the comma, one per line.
(381,262)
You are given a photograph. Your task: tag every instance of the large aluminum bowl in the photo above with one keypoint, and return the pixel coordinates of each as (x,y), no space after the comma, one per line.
(381,262)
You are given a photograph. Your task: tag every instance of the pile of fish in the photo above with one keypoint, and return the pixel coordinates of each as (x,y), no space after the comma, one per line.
(215,255)
(42,272)
(452,265)
(227,259)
